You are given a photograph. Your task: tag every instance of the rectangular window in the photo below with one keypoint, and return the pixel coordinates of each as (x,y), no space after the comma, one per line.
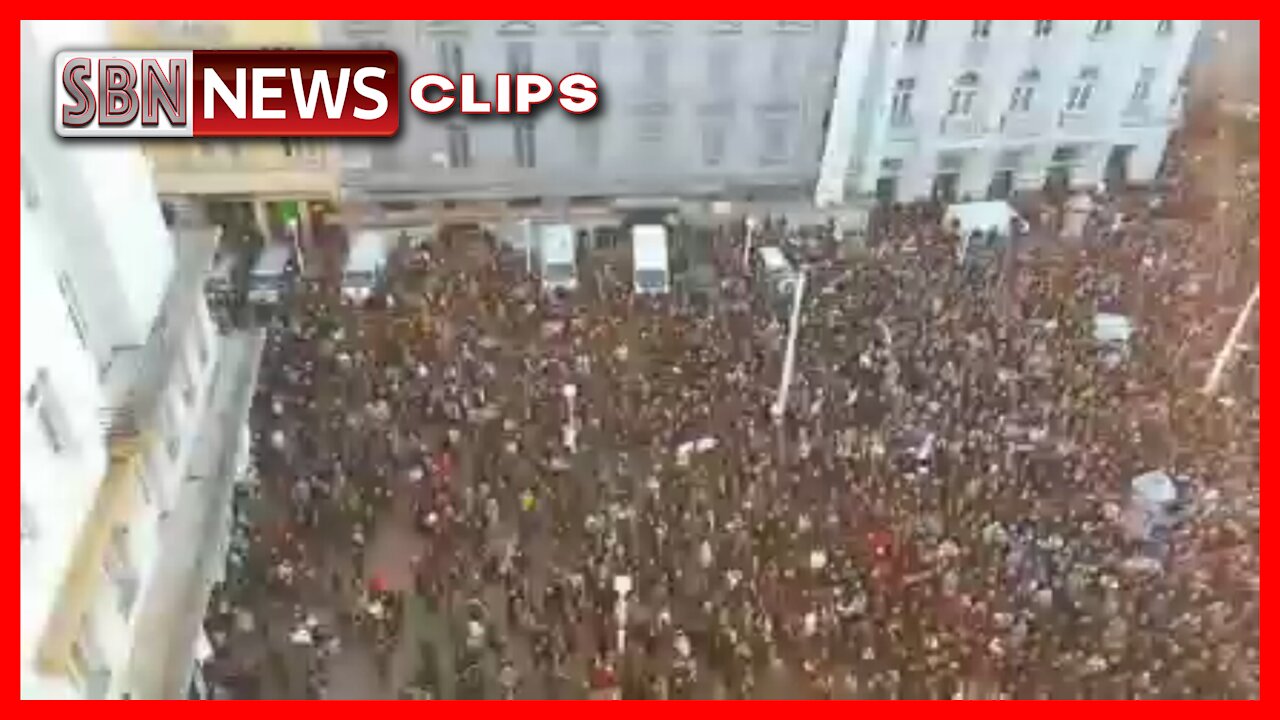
(1078,97)
(1082,90)
(589,58)
(588,135)
(1043,28)
(961,101)
(720,65)
(520,56)
(781,63)
(1102,27)
(900,109)
(773,137)
(981,30)
(654,65)
(41,400)
(72,302)
(916,30)
(1021,99)
(120,571)
(713,143)
(449,55)
(459,146)
(1164,27)
(526,144)
(1142,88)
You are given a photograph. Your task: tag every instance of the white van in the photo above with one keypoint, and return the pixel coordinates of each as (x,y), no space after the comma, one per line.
(366,266)
(557,258)
(269,277)
(651,268)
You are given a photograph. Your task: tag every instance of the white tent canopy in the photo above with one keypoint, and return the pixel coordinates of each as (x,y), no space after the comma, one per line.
(1110,328)
(982,216)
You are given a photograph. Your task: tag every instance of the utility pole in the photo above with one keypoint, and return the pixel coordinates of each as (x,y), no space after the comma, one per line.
(1228,349)
(789,359)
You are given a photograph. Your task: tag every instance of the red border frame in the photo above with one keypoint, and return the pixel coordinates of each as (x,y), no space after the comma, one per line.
(738,711)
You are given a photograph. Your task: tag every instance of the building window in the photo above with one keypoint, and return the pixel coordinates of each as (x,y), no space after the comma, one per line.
(120,571)
(588,135)
(1043,28)
(449,54)
(962,95)
(981,30)
(459,146)
(72,302)
(773,136)
(1082,90)
(520,57)
(1024,91)
(713,144)
(42,401)
(30,193)
(900,110)
(589,57)
(782,63)
(916,30)
(720,66)
(292,146)
(1142,88)
(1164,27)
(654,65)
(526,145)
(1102,27)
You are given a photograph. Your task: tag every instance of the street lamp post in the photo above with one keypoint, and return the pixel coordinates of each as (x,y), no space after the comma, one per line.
(789,358)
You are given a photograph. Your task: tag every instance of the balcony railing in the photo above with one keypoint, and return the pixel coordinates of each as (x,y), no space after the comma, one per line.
(1077,123)
(955,127)
(1023,125)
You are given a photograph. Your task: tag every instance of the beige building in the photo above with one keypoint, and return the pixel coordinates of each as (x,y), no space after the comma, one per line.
(262,184)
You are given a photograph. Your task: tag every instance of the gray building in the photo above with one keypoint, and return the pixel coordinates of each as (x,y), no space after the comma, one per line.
(717,109)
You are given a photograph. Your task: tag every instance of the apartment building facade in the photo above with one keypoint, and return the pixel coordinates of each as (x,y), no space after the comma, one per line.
(981,108)
(128,393)
(715,109)
(263,184)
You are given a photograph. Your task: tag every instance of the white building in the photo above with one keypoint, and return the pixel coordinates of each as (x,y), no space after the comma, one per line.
(976,108)
(121,424)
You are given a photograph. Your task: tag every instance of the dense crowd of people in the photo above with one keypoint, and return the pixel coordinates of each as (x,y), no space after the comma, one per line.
(594,496)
